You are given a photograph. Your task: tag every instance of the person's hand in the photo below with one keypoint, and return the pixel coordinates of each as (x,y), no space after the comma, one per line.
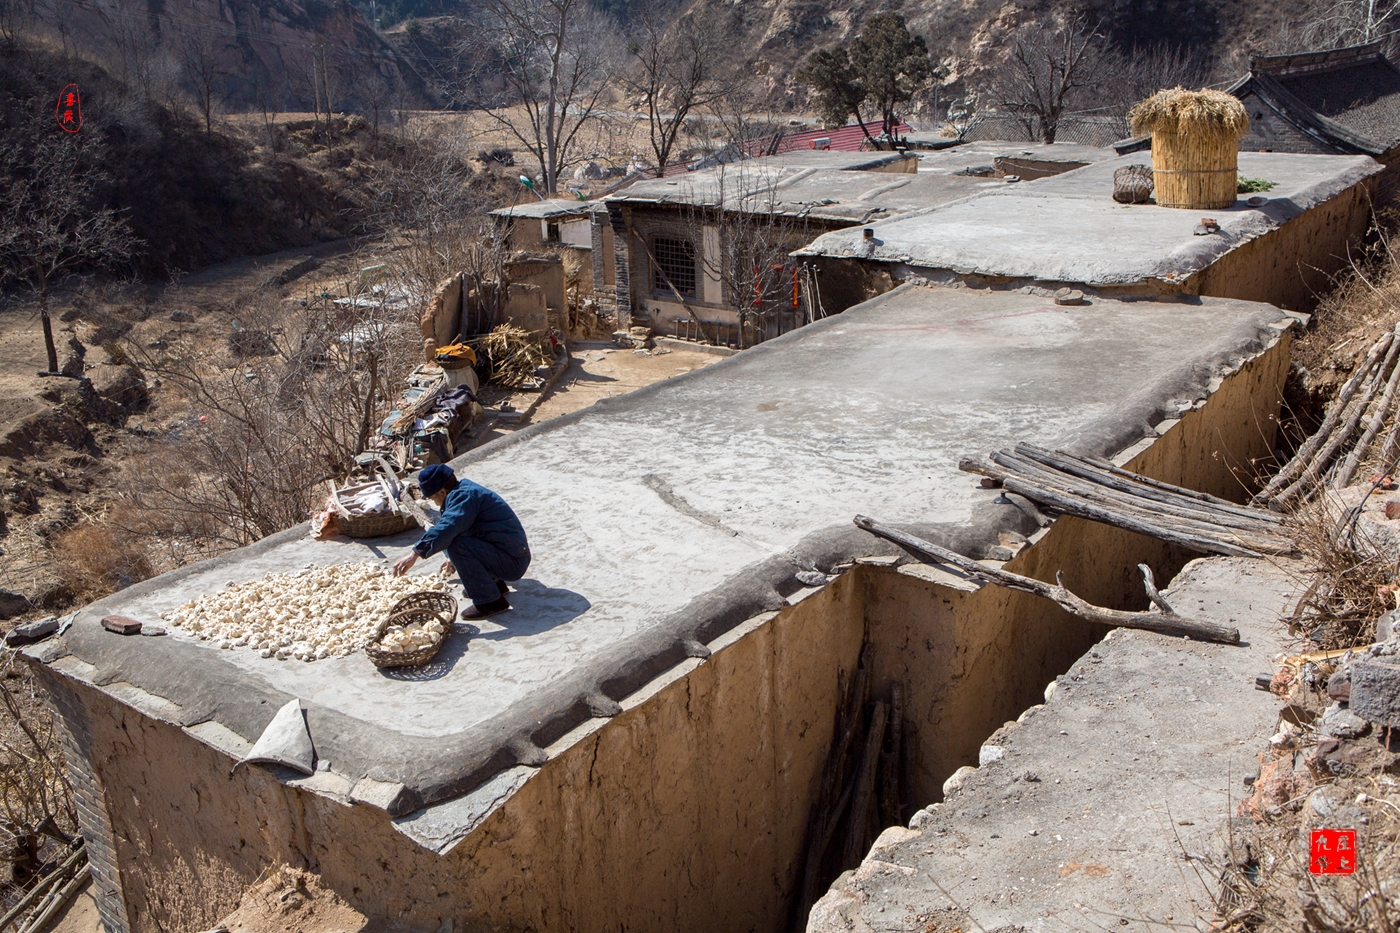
(405,564)
(446,568)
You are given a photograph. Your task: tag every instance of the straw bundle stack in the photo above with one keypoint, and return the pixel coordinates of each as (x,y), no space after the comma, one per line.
(514,354)
(1195,146)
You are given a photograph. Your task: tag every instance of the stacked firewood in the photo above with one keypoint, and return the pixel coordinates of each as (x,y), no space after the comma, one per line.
(866,785)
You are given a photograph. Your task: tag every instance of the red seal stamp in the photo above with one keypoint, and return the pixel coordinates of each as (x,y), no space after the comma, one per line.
(1333,852)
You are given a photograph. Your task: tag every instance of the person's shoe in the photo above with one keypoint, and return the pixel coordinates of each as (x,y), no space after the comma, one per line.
(486,609)
(505,590)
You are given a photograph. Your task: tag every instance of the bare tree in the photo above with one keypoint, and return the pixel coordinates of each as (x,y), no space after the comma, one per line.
(1051,66)
(1137,75)
(51,222)
(284,407)
(1349,22)
(202,58)
(742,238)
(553,57)
(678,74)
(372,92)
(437,206)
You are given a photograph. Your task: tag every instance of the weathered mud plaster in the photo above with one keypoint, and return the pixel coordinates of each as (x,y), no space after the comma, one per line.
(1067,230)
(667,525)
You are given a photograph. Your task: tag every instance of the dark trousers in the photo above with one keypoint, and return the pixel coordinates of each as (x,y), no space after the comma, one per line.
(480,564)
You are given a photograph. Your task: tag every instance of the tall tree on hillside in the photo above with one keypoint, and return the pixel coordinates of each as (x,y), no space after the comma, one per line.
(51,222)
(677,73)
(884,67)
(892,64)
(552,60)
(202,59)
(1051,67)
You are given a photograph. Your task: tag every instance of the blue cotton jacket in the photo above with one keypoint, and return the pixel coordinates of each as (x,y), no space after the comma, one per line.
(475,512)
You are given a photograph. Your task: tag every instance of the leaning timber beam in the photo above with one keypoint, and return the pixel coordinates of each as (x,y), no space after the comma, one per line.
(1162,618)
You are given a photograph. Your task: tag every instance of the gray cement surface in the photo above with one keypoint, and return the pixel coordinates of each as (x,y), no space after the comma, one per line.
(850,197)
(984,153)
(664,518)
(1067,228)
(1079,817)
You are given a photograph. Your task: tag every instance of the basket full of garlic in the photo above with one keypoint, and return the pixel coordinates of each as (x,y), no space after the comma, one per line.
(413,631)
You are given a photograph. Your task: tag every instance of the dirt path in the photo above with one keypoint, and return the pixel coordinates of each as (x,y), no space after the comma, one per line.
(600,370)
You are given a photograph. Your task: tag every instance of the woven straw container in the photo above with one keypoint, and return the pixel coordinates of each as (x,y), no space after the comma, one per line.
(1189,174)
(1195,146)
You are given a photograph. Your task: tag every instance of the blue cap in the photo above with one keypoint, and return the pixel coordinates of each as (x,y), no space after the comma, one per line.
(435,478)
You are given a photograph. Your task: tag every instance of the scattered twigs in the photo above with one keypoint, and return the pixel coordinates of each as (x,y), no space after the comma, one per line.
(1155,620)
(46,898)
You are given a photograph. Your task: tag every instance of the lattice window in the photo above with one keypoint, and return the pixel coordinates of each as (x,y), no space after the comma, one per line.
(675,258)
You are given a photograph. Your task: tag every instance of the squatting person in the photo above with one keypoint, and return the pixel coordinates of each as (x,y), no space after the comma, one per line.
(483,539)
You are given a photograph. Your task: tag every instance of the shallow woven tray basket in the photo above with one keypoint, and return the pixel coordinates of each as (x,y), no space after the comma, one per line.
(420,608)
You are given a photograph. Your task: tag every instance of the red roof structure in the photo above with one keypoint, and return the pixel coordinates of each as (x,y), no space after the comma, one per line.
(848,138)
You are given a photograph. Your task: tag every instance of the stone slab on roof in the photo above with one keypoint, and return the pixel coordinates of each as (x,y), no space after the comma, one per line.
(671,515)
(1067,228)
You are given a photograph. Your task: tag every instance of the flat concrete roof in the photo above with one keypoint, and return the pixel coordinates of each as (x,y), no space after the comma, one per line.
(849,197)
(541,210)
(671,515)
(827,159)
(1067,228)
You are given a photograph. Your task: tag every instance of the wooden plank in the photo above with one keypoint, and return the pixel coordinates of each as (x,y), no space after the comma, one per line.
(1137,485)
(1159,620)
(1208,518)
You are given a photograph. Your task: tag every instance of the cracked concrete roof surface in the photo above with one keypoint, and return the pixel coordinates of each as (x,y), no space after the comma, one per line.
(668,516)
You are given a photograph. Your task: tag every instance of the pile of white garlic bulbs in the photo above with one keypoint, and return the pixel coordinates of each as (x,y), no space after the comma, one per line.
(309,614)
(411,638)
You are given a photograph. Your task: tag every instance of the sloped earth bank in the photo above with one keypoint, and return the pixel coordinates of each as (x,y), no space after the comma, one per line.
(1110,805)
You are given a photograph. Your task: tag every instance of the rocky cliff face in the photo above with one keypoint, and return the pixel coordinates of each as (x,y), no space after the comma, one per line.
(276,53)
(969,34)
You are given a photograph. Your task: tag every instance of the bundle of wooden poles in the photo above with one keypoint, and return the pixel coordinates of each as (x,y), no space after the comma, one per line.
(866,784)
(1330,458)
(41,904)
(1099,490)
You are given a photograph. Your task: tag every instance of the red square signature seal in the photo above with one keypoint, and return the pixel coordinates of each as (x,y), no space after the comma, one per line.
(1333,852)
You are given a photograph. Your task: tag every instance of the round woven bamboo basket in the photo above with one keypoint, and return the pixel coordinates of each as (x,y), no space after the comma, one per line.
(1195,146)
(420,608)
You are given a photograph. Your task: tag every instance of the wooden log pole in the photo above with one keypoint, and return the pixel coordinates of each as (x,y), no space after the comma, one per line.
(1295,467)
(1158,620)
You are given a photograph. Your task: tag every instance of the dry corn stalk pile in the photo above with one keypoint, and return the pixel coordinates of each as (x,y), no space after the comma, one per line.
(514,354)
(310,614)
